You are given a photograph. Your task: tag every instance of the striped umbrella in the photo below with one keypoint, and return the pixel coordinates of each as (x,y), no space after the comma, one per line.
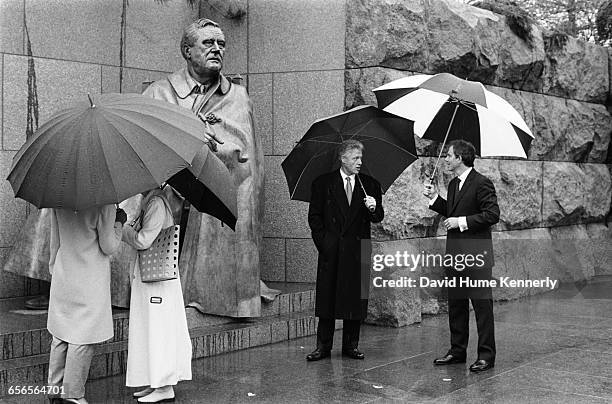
(445,107)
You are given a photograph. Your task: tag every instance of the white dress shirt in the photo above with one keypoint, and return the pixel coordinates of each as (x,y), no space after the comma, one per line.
(462,219)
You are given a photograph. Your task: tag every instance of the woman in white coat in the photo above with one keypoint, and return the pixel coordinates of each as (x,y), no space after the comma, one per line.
(80,300)
(159,347)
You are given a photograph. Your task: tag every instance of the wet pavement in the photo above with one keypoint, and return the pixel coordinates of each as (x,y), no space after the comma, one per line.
(551,348)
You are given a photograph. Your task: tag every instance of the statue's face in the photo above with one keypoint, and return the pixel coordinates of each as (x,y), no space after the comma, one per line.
(206,55)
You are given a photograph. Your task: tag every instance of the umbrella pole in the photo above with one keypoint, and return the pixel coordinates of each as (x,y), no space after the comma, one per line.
(450,125)
(362,188)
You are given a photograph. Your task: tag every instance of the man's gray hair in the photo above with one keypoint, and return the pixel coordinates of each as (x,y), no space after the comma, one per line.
(348,145)
(190,33)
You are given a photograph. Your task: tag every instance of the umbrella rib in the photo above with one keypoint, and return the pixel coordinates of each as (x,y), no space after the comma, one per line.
(106,163)
(386,141)
(305,167)
(127,143)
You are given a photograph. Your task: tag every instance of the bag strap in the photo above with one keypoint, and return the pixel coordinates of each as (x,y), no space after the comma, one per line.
(166,204)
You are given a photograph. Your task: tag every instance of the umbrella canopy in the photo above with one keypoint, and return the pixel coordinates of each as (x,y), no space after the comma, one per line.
(104,152)
(208,185)
(446,108)
(388,140)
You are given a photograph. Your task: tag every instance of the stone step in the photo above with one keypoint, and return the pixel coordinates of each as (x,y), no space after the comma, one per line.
(111,358)
(24,333)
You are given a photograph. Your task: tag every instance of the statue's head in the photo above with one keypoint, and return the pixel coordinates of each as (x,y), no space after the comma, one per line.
(203,47)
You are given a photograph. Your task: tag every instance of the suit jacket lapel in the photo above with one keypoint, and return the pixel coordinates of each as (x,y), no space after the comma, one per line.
(466,185)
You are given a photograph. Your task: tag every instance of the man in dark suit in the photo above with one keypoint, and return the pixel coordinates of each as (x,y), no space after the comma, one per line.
(470,211)
(339,217)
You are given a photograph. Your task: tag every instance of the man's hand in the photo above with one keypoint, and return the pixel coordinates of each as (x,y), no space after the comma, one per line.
(370,203)
(429,189)
(451,223)
(210,138)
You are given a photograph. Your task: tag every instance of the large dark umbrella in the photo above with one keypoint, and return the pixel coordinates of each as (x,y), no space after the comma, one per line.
(445,107)
(207,184)
(104,151)
(388,140)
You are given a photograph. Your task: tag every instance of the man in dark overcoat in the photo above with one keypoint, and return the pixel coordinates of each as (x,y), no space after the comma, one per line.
(339,217)
(470,210)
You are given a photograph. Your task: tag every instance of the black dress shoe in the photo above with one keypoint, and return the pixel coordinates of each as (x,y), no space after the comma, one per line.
(448,359)
(353,353)
(317,355)
(481,365)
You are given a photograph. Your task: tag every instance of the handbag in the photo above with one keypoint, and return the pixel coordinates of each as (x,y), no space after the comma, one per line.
(160,261)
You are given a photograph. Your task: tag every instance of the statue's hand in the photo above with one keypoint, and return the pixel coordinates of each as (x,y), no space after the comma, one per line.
(211,138)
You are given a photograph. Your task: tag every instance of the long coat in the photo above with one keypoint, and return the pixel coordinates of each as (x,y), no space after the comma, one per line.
(341,234)
(159,348)
(476,201)
(80,299)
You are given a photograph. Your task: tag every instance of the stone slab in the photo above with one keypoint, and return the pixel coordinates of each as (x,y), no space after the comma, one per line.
(59,84)
(294,35)
(449,36)
(575,193)
(282,217)
(601,242)
(11,27)
(576,69)
(393,306)
(302,258)
(109,79)
(234,29)
(12,210)
(564,130)
(261,93)
(273,259)
(154,33)
(87,33)
(300,99)
(1,103)
(518,185)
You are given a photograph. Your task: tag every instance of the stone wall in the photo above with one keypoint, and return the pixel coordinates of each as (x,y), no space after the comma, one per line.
(555,204)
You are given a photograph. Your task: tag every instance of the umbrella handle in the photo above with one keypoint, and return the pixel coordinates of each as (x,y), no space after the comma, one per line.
(450,125)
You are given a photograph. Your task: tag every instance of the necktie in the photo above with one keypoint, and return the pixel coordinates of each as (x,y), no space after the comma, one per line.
(349,190)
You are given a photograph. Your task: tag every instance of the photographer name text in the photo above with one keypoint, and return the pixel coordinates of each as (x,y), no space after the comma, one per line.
(464,282)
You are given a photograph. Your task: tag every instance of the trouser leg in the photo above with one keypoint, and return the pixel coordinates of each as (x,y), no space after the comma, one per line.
(325,333)
(459,324)
(350,334)
(483,310)
(78,361)
(57,362)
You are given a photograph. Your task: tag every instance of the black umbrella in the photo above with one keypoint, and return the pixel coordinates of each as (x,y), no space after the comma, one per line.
(388,140)
(208,185)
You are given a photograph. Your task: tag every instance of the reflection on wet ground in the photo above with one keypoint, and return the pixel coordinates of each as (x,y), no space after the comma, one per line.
(551,348)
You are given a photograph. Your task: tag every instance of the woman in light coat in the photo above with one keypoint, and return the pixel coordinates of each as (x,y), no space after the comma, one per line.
(159,347)
(80,299)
